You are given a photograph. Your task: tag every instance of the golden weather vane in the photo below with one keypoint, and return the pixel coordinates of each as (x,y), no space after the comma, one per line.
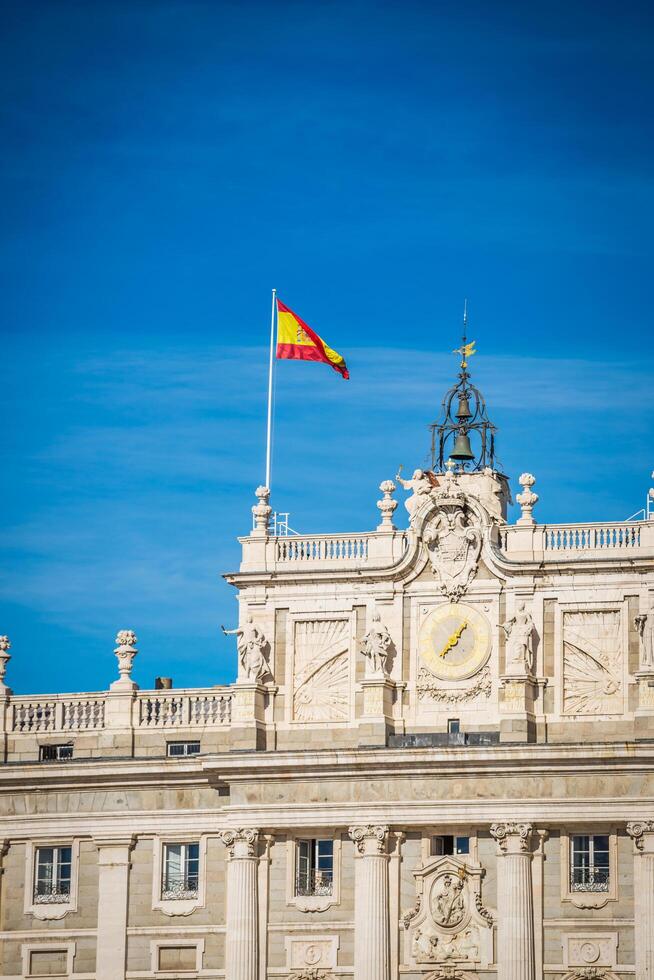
(466,350)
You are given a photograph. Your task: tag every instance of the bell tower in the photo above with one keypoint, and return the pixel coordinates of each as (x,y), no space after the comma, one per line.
(465,435)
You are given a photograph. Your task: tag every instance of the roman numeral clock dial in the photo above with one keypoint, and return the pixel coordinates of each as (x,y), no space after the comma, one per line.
(454,641)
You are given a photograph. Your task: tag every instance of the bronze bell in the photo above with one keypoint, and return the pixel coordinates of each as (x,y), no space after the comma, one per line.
(463,411)
(461,450)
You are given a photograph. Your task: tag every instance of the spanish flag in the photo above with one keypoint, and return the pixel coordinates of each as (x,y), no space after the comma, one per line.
(298,342)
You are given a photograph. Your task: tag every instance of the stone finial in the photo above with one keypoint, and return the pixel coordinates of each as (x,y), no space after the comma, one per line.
(527,499)
(387,505)
(125,652)
(261,512)
(5,657)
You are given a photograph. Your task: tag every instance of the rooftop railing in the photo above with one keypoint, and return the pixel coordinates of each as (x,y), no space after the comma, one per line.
(603,540)
(66,713)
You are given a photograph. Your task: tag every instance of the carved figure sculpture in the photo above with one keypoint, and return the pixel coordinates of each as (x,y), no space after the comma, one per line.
(448,907)
(376,647)
(519,631)
(421,486)
(250,644)
(645,626)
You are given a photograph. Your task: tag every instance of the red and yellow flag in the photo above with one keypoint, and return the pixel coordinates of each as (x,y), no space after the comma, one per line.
(298,342)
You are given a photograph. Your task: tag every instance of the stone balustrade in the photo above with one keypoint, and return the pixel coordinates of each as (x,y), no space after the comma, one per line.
(570,542)
(66,713)
(184,708)
(537,542)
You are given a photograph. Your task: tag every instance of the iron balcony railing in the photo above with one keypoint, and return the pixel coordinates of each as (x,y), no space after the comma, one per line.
(315,883)
(178,889)
(589,880)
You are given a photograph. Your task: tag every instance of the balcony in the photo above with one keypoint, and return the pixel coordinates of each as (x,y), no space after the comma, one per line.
(314,883)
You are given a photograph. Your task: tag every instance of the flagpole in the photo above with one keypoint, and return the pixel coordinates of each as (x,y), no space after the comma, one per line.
(270,386)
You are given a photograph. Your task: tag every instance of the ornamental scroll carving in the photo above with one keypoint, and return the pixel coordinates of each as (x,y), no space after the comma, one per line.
(369,839)
(321,675)
(428,687)
(592,662)
(449,923)
(241,842)
(636,830)
(519,834)
(590,973)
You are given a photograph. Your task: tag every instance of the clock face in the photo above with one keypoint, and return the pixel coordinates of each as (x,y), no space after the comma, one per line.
(454,641)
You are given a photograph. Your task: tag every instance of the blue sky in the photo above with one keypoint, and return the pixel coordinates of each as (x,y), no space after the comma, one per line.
(165,164)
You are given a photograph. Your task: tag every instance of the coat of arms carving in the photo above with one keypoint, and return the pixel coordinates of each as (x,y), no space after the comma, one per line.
(449,924)
(453,544)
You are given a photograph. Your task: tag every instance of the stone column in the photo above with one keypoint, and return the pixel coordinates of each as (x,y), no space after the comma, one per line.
(242,938)
(371,926)
(113,867)
(515,931)
(642,834)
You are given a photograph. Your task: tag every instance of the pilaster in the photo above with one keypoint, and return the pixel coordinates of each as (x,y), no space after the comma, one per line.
(242,936)
(113,880)
(515,932)
(642,834)
(371,903)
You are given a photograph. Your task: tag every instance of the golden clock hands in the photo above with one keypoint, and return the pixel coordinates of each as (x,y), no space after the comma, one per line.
(454,639)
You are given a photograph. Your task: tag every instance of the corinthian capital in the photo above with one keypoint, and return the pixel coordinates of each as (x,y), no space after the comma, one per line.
(637,830)
(369,839)
(512,838)
(241,842)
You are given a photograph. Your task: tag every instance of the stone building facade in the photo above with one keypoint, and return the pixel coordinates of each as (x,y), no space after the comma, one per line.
(437,762)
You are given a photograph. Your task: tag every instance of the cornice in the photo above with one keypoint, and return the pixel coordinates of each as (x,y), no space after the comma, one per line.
(224,768)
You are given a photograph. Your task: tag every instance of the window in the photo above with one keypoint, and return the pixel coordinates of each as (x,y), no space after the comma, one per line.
(447,844)
(453,726)
(314,867)
(52,875)
(56,753)
(181,866)
(589,863)
(183,748)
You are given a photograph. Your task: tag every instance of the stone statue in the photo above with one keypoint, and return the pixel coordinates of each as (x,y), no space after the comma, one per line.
(250,644)
(421,486)
(519,632)
(645,626)
(375,647)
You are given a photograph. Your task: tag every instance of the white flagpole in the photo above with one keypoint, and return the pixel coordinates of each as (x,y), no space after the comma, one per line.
(270,385)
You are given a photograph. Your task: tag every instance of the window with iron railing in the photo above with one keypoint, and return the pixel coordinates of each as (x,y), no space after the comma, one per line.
(177,749)
(589,863)
(181,869)
(314,867)
(56,753)
(52,874)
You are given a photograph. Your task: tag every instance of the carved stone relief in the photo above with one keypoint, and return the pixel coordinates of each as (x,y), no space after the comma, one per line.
(321,674)
(590,949)
(453,541)
(590,973)
(311,956)
(592,662)
(644,623)
(429,688)
(449,924)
